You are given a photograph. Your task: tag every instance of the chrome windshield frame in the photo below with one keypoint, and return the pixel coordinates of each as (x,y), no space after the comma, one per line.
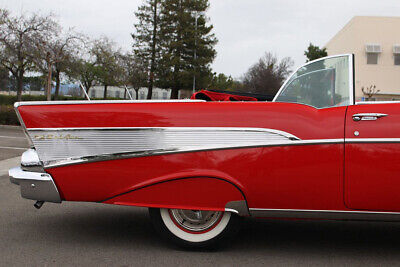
(351,77)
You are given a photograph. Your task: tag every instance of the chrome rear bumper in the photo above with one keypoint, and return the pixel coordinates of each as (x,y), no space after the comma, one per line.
(35,185)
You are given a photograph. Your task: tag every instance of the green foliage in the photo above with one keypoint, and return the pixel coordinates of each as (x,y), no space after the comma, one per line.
(313,52)
(147,40)
(222,82)
(176,42)
(85,71)
(11,99)
(108,70)
(8,115)
(183,39)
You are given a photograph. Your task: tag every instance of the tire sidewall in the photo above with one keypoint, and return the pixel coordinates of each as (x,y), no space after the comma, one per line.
(217,237)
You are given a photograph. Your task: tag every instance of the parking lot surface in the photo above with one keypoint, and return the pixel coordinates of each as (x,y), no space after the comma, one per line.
(91,234)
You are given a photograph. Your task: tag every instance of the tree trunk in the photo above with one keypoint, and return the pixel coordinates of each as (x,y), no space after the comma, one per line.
(57,85)
(150,89)
(20,84)
(87,86)
(137,94)
(125,93)
(105,91)
(174,93)
(153,51)
(48,91)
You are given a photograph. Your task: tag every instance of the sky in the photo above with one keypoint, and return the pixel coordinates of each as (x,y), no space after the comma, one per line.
(246,29)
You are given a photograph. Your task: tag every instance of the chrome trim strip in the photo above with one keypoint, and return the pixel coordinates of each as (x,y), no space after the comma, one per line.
(241,129)
(75,145)
(325,214)
(80,102)
(376,102)
(372,140)
(67,146)
(116,156)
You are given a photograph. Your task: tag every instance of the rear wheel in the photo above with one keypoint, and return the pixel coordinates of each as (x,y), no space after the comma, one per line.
(195,228)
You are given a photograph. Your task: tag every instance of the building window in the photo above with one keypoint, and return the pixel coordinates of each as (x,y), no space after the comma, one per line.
(117,94)
(372,58)
(93,93)
(396,59)
(141,95)
(155,95)
(164,95)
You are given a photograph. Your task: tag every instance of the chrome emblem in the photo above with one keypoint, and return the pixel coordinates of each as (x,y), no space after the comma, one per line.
(57,137)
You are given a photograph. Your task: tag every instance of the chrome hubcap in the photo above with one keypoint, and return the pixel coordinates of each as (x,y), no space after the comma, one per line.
(196,220)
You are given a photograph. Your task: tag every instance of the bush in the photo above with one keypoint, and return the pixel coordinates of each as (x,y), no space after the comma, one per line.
(11,99)
(8,115)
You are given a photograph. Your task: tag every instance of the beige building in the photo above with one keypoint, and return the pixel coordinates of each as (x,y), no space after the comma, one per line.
(375,41)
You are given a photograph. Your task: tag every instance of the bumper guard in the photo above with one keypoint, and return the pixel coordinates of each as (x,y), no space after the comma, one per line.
(35,185)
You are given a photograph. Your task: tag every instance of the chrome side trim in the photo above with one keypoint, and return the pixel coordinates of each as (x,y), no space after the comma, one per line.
(325,214)
(35,185)
(372,140)
(116,156)
(241,129)
(66,146)
(80,102)
(376,102)
(77,145)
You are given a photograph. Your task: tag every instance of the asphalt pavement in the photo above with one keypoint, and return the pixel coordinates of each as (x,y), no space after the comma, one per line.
(91,234)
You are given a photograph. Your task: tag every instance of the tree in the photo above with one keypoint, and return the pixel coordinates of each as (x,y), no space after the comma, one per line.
(313,52)
(370,91)
(18,36)
(60,50)
(188,47)
(108,71)
(267,75)
(222,82)
(82,66)
(147,38)
(4,78)
(83,70)
(135,72)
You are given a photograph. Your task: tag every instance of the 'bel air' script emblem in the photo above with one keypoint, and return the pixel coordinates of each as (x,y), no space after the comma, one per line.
(56,137)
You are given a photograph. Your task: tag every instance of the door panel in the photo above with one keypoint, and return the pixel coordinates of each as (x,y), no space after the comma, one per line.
(372,158)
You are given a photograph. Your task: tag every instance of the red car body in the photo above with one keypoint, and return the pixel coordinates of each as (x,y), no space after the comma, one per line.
(261,159)
(315,176)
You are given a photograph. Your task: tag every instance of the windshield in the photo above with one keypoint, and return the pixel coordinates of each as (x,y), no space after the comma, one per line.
(323,83)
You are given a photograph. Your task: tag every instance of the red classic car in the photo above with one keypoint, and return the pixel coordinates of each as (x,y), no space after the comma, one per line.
(201,166)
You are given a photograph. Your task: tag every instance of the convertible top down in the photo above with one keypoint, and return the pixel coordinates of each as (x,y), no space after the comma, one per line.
(201,166)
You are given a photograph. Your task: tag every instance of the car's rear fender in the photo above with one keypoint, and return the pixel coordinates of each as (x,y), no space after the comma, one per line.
(195,193)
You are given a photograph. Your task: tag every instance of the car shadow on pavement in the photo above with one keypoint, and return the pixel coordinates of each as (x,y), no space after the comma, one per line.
(131,227)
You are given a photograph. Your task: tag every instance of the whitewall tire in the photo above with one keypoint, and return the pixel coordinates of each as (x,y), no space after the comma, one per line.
(193,228)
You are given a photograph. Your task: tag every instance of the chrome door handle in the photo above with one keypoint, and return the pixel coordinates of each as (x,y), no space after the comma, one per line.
(368,116)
